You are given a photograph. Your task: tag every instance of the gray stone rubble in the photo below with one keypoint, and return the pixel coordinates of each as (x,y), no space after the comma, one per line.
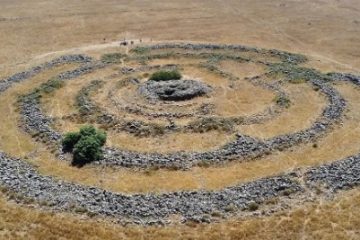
(19,177)
(355,79)
(338,175)
(284,56)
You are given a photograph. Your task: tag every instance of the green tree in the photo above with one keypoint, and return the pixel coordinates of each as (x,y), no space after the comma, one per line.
(85,145)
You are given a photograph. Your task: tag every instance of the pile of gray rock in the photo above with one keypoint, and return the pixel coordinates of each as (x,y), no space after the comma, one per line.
(339,175)
(282,55)
(35,122)
(19,177)
(355,79)
(174,90)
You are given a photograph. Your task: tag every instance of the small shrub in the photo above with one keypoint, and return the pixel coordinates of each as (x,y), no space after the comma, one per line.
(87,149)
(87,130)
(230,208)
(272,201)
(52,85)
(211,124)
(142,129)
(215,59)
(316,88)
(253,206)
(3,189)
(204,164)
(216,214)
(282,101)
(112,57)
(297,80)
(165,75)
(85,145)
(70,140)
(140,50)
(287,192)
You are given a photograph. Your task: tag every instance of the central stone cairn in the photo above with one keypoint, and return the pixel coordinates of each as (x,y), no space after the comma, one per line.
(174,90)
(168,86)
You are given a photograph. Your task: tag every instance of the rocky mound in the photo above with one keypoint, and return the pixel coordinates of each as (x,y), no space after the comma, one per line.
(173,90)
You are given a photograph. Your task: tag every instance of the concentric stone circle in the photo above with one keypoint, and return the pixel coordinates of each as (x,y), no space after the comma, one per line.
(242,148)
(20,177)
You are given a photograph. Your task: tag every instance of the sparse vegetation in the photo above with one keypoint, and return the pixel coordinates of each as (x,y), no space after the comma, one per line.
(112,57)
(253,206)
(290,58)
(215,59)
(296,74)
(210,124)
(84,104)
(142,129)
(165,75)
(46,88)
(204,164)
(140,50)
(52,85)
(231,208)
(282,101)
(85,145)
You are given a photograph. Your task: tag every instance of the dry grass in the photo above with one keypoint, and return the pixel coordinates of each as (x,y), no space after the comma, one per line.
(178,60)
(62,101)
(170,142)
(342,142)
(243,99)
(154,181)
(243,69)
(228,102)
(12,139)
(239,100)
(306,106)
(337,219)
(326,30)
(314,28)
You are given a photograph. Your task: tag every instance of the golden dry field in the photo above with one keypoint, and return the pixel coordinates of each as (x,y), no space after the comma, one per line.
(245,155)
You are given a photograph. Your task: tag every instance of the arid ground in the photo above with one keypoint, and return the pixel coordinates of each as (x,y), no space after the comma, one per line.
(327,32)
